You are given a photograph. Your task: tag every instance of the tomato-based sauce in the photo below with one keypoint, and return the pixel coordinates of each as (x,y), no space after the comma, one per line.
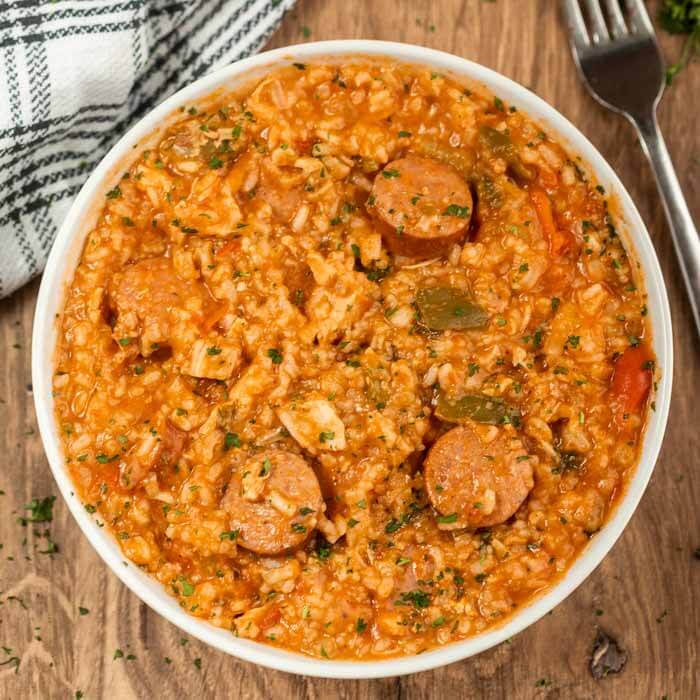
(354,362)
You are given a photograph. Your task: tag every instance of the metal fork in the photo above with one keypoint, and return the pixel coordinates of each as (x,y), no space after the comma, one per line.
(619,60)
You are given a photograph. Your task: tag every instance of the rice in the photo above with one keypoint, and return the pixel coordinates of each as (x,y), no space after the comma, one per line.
(244,299)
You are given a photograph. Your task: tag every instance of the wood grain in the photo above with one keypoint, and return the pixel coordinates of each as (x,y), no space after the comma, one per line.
(644,591)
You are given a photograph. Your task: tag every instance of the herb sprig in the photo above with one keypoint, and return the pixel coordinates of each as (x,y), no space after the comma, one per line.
(682,17)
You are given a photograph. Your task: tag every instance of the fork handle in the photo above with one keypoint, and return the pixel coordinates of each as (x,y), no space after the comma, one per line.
(683,231)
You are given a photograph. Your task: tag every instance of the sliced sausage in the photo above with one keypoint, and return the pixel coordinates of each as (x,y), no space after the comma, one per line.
(274,502)
(143,298)
(423,206)
(473,484)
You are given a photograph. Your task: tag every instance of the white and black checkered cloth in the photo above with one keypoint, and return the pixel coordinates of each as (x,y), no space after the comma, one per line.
(74,75)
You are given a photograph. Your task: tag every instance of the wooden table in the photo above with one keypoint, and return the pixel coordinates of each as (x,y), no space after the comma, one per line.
(642,594)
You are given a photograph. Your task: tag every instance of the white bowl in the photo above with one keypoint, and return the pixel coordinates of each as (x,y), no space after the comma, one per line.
(64,258)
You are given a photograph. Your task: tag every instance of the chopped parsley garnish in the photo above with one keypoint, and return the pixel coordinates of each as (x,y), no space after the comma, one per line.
(41,511)
(446,519)
(185,229)
(231,440)
(393,525)
(373,274)
(298,527)
(573,341)
(360,625)
(456,210)
(391,172)
(376,274)
(418,598)
(266,467)
(404,134)
(231,535)
(187,587)
(275,355)
(323,550)
(114,193)
(326,436)
(214,350)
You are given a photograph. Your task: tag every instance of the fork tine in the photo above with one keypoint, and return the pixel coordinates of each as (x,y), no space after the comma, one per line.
(638,18)
(599,31)
(618,28)
(576,24)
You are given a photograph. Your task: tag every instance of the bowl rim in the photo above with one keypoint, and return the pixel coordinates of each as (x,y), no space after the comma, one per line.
(58,274)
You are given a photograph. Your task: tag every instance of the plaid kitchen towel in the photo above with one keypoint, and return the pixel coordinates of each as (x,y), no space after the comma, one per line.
(74,75)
